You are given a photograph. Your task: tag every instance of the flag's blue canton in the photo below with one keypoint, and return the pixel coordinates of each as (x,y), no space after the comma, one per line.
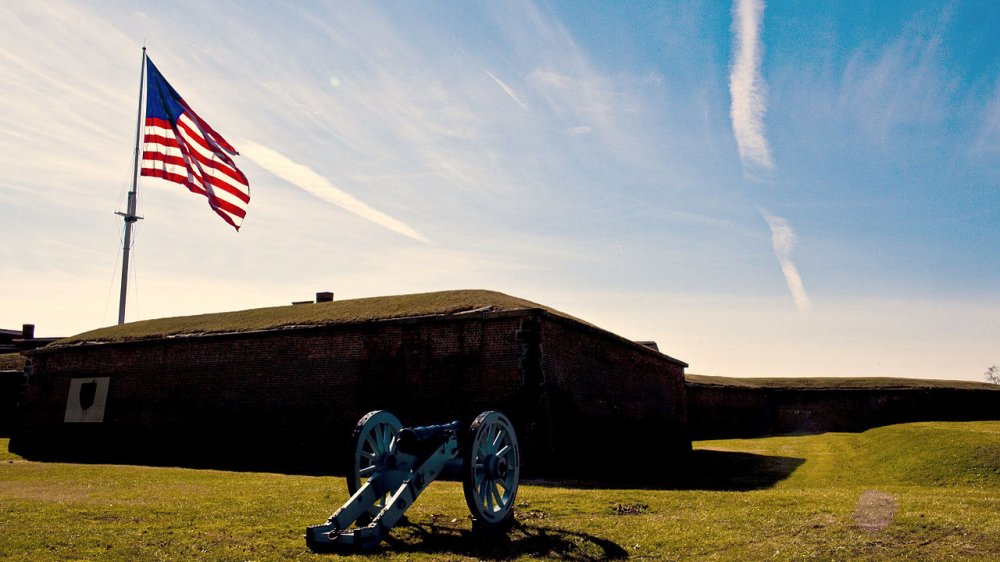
(162,101)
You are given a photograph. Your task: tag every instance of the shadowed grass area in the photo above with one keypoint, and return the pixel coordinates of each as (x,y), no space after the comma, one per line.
(832,383)
(915,491)
(313,314)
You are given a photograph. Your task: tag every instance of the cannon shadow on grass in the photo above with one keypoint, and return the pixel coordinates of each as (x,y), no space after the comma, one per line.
(522,540)
(703,469)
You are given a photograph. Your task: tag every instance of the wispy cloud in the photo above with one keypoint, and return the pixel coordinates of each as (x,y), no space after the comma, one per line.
(579,95)
(510,91)
(989,131)
(305,178)
(783,241)
(749,103)
(902,84)
(747,87)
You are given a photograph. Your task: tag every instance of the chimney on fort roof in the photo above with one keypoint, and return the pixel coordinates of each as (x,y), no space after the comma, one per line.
(27,331)
(324,296)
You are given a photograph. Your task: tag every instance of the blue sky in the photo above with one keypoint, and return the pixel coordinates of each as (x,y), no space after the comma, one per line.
(781,189)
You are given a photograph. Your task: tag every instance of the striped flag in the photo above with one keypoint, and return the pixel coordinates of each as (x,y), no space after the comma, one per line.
(179,146)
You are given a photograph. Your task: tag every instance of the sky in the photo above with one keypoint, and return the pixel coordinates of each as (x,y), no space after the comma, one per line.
(765,189)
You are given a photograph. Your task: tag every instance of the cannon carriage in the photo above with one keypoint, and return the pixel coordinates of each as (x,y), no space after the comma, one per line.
(392,465)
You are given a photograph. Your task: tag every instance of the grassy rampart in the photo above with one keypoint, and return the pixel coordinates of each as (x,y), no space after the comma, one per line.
(721,407)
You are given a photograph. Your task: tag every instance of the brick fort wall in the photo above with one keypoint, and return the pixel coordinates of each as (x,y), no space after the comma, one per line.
(11,383)
(288,400)
(717,412)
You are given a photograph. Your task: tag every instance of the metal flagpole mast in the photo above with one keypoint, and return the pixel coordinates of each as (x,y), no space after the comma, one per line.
(129,215)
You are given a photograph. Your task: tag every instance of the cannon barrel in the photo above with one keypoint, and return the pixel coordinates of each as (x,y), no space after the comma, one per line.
(422,441)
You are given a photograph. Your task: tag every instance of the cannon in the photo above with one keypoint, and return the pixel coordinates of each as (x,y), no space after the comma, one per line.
(393,464)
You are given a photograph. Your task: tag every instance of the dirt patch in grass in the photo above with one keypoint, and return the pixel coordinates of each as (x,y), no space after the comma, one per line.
(43,492)
(875,510)
(629,508)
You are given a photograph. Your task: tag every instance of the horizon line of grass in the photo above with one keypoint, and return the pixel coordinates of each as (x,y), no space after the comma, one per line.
(834,383)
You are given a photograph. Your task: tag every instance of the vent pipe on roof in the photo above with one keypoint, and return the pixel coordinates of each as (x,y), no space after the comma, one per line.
(324,296)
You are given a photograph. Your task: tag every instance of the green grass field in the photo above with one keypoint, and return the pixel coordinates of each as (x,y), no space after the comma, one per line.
(923,491)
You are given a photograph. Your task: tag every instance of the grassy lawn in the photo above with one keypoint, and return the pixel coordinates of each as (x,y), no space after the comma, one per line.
(905,492)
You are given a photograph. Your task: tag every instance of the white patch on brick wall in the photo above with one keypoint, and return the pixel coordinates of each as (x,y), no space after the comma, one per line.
(86,400)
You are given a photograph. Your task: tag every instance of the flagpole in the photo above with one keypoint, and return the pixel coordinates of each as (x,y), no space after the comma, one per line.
(129,216)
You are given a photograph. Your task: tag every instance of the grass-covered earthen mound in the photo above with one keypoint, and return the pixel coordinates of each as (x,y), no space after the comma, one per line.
(351,311)
(12,362)
(833,383)
(723,407)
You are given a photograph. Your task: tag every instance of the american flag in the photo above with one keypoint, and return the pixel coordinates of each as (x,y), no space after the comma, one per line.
(179,146)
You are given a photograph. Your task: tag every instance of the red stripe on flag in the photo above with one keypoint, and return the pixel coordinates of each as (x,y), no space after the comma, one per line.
(152,138)
(164,158)
(157,122)
(169,176)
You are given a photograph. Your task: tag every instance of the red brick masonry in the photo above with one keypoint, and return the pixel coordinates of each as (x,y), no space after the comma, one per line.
(582,399)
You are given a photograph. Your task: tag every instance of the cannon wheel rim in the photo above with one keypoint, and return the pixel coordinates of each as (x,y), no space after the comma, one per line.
(374,437)
(491,472)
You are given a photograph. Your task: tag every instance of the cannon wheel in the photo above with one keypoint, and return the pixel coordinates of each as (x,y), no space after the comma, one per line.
(374,436)
(491,469)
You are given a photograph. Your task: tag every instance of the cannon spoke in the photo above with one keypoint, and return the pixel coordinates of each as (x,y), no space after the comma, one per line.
(499,435)
(385,441)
